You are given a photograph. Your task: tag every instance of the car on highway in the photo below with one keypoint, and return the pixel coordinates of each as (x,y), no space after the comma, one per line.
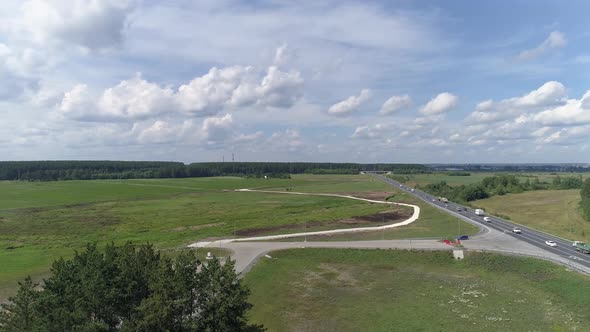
(434,200)
(459,209)
(487,219)
(463,237)
(551,243)
(516,230)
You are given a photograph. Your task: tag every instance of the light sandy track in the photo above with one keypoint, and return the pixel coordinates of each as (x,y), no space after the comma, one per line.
(246,252)
(408,221)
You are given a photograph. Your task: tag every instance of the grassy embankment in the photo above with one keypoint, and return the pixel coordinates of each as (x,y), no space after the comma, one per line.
(553,211)
(382,290)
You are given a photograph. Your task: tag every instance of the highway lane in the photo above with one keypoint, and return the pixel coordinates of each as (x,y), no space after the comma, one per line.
(564,247)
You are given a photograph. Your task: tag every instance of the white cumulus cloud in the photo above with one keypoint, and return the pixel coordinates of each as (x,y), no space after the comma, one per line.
(206,95)
(442,103)
(93,24)
(548,95)
(350,104)
(395,104)
(574,112)
(135,98)
(217,129)
(555,40)
(370,132)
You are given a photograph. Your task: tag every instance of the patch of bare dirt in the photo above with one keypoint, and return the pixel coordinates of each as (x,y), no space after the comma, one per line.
(374,195)
(376,219)
(382,217)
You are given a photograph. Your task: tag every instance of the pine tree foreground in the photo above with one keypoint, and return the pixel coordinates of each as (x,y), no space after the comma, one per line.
(131,288)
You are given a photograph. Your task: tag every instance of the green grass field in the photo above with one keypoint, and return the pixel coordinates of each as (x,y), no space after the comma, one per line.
(433,223)
(42,221)
(386,290)
(552,211)
(424,179)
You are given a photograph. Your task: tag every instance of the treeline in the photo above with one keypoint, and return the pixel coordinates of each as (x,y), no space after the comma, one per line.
(499,185)
(90,170)
(458,173)
(585,202)
(270,168)
(513,168)
(131,288)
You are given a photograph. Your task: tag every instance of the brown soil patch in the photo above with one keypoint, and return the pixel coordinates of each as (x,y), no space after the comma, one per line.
(376,195)
(376,219)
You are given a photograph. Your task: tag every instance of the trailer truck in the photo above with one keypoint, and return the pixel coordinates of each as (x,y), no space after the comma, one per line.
(581,247)
(479,212)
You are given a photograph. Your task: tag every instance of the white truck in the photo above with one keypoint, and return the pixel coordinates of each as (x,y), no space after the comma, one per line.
(479,212)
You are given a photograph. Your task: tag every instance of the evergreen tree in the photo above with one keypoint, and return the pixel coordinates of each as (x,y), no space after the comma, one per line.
(223,303)
(130,288)
(20,314)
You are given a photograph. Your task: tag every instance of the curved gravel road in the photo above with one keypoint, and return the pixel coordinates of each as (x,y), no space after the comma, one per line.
(408,221)
(246,251)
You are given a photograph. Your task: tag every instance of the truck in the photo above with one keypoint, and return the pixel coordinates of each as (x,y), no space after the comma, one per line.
(479,212)
(444,200)
(581,247)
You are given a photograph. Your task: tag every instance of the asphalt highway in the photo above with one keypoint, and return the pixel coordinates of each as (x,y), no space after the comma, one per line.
(564,247)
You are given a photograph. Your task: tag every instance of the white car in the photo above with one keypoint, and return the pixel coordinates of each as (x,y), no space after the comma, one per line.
(551,243)
(516,230)
(488,219)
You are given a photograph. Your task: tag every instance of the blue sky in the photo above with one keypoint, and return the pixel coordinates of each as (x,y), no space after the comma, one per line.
(357,81)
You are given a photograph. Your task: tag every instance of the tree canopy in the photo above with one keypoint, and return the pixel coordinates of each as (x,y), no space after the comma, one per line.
(131,288)
(89,170)
(498,185)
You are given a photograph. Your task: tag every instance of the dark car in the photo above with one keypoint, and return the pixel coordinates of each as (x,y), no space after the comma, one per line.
(463,237)
(459,209)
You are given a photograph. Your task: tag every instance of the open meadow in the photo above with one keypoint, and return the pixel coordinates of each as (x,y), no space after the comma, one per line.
(387,290)
(552,211)
(42,221)
(433,223)
(474,177)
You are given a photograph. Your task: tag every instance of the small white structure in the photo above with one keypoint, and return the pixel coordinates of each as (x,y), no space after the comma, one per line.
(458,254)
(209,256)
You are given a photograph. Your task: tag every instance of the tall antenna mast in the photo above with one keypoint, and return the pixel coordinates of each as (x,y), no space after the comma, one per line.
(232,157)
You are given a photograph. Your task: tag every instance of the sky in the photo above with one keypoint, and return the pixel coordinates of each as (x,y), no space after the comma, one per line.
(275,80)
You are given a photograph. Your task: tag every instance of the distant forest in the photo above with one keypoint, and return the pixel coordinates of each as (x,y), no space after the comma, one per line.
(500,185)
(90,170)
